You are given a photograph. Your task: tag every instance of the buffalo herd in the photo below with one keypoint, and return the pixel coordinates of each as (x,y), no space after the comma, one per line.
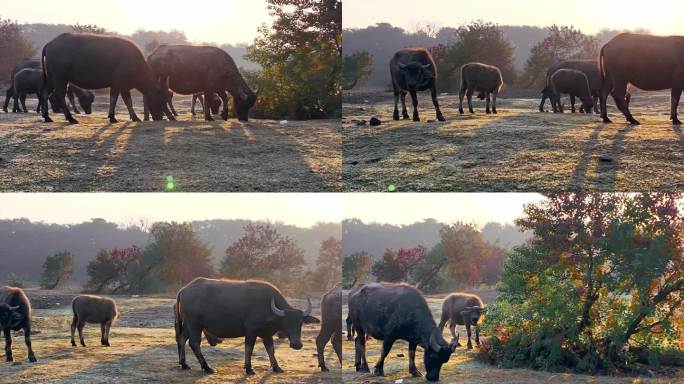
(72,64)
(650,63)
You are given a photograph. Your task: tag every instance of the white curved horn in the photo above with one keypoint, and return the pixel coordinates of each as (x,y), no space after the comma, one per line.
(434,344)
(276,311)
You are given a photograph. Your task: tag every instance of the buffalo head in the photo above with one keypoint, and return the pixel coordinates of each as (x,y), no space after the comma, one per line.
(417,75)
(471,315)
(86,100)
(242,104)
(292,321)
(157,97)
(9,316)
(436,354)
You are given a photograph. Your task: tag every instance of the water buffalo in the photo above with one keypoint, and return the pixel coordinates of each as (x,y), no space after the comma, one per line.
(27,81)
(389,312)
(413,70)
(588,67)
(100,61)
(331,325)
(462,309)
(648,62)
(573,82)
(189,69)
(93,309)
(230,309)
(15,314)
(484,79)
(9,94)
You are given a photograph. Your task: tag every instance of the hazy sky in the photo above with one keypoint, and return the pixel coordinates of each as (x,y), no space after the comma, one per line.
(300,209)
(659,16)
(219,21)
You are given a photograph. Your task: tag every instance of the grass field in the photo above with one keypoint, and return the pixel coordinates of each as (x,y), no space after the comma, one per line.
(201,156)
(143,349)
(519,149)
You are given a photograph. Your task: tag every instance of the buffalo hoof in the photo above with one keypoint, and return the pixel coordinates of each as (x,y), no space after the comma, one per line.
(440,118)
(324,369)
(208,370)
(106,344)
(32,359)
(470,346)
(9,358)
(171,118)
(494,111)
(72,120)
(634,121)
(73,343)
(488,112)
(224,116)
(416,118)
(277,369)
(395,116)
(249,371)
(415,373)
(113,120)
(175,113)
(47,120)
(135,118)
(405,116)
(83,345)
(378,372)
(460,111)
(209,118)
(471,111)
(362,368)
(607,120)
(185,367)
(4,110)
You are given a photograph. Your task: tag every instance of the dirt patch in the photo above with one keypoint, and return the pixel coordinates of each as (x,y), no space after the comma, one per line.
(144,350)
(201,156)
(519,149)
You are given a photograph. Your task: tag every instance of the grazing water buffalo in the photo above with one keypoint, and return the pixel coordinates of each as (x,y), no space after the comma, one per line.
(15,314)
(23,64)
(389,312)
(331,325)
(484,79)
(230,309)
(573,82)
(413,70)
(462,309)
(93,309)
(99,61)
(648,62)
(588,67)
(190,69)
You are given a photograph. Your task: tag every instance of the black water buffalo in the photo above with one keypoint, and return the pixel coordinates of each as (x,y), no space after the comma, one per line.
(648,62)
(413,70)
(574,83)
(331,325)
(100,61)
(230,309)
(484,79)
(191,69)
(25,82)
(589,67)
(389,312)
(9,94)
(462,309)
(93,309)
(15,314)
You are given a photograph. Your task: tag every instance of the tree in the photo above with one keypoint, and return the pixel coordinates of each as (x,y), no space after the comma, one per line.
(478,41)
(395,265)
(89,28)
(329,262)
(109,270)
(263,253)
(356,68)
(355,268)
(56,270)
(300,56)
(561,43)
(14,47)
(601,280)
(181,254)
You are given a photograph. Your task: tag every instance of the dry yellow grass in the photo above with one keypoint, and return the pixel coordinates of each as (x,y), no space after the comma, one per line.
(225,156)
(144,351)
(520,149)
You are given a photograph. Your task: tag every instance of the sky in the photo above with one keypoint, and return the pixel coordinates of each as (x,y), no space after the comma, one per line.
(301,209)
(213,21)
(661,17)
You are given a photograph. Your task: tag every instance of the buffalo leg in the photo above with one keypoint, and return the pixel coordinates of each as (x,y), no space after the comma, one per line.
(412,360)
(70,96)
(360,358)
(595,99)
(469,95)
(461,94)
(452,330)
(181,339)
(619,94)
(477,335)
(674,100)
(103,331)
(60,96)
(395,114)
(414,100)
(15,103)
(45,95)
(249,347)
(321,340)
(8,344)
(337,344)
(80,326)
(435,102)
(606,89)
(194,339)
(379,366)
(192,105)
(442,322)
(489,101)
(27,340)
(470,345)
(38,107)
(74,323)
(495,94)
(224,100)
(126,96)
(350,329)
(270,350)
(208,96)
(404,111)
(543,100)
(23,103)
(572,105)
(170,102)
(8,95)
(113,98)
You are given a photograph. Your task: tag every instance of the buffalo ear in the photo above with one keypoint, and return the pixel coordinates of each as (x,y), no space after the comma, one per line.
(14,309)
(311,320)
(427,66)
(402,66)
